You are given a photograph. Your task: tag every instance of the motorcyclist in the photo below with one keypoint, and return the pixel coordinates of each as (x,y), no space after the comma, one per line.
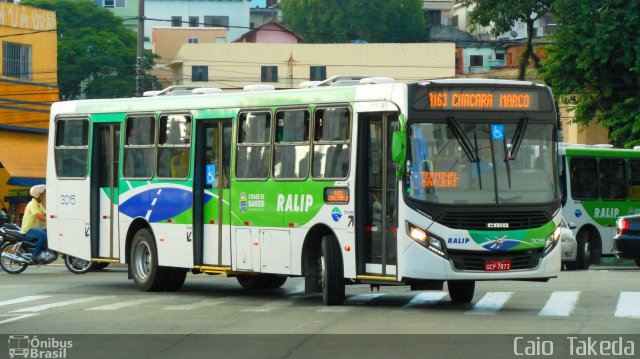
(33,214)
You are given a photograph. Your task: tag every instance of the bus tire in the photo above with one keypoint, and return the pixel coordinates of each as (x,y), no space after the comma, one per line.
(331,271)
(461,291)
(583,257)
(146,272)
(176,279)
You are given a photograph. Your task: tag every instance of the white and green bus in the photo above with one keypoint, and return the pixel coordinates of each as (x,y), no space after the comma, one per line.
(599,184)
(349,181)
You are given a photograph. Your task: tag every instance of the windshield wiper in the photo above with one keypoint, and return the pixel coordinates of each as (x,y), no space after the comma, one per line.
(517,138)
(506,162)
(464,141)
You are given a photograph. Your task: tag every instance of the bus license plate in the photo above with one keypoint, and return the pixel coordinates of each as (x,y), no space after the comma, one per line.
(497,265)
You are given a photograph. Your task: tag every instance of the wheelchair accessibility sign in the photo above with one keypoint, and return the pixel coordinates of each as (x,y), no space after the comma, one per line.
(211,175)
(497,132)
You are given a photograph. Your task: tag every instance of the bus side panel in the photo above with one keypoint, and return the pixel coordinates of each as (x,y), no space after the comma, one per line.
(174,243)
(72,198)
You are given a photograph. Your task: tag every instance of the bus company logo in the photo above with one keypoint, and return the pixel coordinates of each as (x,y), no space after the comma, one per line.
(462,240)
(497,225)
(25,346)
(336,214)
(578,213)
(606,213)
(243,201)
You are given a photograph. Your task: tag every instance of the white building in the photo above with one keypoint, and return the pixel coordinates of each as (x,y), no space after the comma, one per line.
(198,13)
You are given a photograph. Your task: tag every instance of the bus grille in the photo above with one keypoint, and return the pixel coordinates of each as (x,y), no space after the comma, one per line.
(474,260)
(480,220)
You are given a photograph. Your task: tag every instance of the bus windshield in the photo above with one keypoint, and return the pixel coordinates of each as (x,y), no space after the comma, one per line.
(489,162)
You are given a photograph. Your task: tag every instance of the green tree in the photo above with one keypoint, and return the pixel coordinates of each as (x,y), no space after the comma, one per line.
(322,21)
(593,64)
(502,15)
(96,52)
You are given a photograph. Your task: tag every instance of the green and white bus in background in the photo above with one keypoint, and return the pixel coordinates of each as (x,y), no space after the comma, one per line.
(599,184)
(347,181)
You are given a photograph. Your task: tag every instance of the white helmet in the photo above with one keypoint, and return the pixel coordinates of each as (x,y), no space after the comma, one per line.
(37,190)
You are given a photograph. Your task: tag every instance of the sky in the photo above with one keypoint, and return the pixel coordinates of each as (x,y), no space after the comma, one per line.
(260,3)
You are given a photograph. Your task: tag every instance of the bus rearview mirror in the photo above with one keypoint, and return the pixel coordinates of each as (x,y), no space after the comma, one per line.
(398,147)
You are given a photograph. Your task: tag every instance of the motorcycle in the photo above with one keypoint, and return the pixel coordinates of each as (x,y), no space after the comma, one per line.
(16,249)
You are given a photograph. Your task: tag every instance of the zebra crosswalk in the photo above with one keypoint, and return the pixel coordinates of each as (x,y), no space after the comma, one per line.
(553,304)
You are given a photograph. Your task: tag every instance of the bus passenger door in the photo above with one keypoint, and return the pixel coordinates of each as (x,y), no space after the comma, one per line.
(104,191)
(376,196)
(212,193)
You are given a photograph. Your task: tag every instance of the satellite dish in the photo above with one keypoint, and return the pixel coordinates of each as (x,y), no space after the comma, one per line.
(514,33)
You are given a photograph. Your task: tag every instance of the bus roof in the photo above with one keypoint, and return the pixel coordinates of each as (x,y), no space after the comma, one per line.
(604,150)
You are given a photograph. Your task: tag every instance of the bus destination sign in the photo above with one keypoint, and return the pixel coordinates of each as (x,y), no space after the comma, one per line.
(474,99)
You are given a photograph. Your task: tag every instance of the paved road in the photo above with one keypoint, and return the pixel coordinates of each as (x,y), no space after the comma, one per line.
(51,300)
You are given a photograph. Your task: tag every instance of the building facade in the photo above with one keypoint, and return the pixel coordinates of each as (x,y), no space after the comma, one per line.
(126,9)
(232,14)
(28,87)
(235,65)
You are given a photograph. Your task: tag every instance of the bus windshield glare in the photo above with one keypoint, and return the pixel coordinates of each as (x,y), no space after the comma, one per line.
(481,163)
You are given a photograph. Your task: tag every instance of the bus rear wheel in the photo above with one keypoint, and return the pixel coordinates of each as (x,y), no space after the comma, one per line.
(461,291)
(146,272)
(331,271)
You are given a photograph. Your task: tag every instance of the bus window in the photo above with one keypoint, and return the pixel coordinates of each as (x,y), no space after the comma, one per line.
(331,148)
(254,151)
(291,151)
(613,182)
(139,147)
(173,146)
(634,180)
(584,180)
(72,147)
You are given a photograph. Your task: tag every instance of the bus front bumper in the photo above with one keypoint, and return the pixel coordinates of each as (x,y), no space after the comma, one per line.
(420,263)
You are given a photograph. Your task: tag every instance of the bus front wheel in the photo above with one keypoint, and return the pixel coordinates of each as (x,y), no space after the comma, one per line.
(331,271)
(583,257)
(146,272)
(461,291)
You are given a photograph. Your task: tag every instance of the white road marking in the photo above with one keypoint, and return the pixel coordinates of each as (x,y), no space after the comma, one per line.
(628,305)
(128,303)
(560,304)
(23,299)
(491,303)
(15,317)
(195,305)
(159,191)
(333,310)
(153,203)
(44,307)
(426,298)
(363,298)
(148,215)
(267,307)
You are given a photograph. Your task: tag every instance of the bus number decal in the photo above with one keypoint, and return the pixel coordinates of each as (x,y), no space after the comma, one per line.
(68,199)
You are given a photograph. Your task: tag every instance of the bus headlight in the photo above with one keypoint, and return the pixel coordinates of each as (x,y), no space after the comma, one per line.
(552,240)
(426,239)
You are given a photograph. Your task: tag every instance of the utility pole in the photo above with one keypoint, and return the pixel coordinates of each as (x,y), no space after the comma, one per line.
(140,54)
